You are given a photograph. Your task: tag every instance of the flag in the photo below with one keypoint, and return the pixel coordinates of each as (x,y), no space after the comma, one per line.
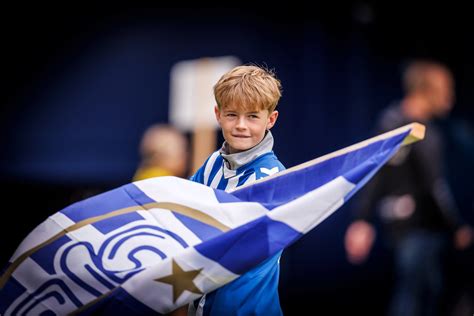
(154,245)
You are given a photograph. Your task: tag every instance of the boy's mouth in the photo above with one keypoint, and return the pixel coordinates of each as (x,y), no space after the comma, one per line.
(241,136)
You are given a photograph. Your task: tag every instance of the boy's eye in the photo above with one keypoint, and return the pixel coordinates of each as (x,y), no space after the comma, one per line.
(230,114)
(255,116)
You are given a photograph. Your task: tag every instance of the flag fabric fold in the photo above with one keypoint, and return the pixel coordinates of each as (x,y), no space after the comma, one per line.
(157,244)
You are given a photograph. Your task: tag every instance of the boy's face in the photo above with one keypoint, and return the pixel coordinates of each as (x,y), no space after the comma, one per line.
(244,129)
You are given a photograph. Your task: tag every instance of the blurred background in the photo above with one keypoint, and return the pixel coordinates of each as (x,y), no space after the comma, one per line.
(81,85)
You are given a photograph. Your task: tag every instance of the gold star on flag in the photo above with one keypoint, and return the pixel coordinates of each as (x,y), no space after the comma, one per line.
(181,280)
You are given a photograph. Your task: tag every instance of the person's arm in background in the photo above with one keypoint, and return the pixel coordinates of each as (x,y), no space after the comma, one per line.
(429,157)
(360,235)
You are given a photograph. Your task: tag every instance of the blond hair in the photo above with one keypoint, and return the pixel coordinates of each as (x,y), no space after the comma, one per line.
(250,87)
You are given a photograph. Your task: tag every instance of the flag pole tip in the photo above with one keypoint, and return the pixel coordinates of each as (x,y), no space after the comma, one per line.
(417,133)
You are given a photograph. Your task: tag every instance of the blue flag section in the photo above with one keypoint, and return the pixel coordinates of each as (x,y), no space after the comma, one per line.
(151,246)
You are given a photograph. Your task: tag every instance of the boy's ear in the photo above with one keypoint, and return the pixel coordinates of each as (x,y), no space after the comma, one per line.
(272,118)
(217,112)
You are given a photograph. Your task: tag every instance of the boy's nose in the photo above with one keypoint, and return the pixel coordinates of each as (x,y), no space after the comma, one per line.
(241,123)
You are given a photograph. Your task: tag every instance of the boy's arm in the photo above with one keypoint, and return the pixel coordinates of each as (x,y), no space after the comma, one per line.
(203,173)
(267,169)
(199,175)
(259,172)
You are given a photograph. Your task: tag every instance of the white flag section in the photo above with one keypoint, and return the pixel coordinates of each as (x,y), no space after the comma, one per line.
(154,245)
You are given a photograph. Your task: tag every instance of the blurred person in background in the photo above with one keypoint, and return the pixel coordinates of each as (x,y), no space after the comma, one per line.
(164,152)
(411,197)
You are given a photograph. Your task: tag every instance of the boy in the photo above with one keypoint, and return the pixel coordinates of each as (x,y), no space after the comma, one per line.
(246,100)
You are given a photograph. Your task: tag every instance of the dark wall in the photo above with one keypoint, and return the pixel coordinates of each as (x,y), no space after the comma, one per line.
(81,84)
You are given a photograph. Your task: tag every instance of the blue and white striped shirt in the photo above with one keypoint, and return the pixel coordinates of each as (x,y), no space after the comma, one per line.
(227,171)
(256,291)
